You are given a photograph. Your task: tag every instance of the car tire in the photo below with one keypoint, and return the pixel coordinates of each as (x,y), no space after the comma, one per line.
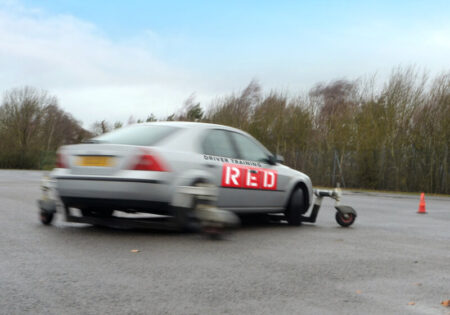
(294,210)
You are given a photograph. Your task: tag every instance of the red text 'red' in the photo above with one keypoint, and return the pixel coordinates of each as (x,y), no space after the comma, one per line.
(241,176)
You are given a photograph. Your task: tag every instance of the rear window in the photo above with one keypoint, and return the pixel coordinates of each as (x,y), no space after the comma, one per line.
(143,135)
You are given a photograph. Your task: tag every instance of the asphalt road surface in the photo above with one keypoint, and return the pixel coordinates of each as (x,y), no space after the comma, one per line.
(392,261)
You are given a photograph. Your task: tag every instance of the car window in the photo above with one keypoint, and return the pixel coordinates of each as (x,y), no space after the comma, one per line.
(218,143)
(249,149)
(143,135)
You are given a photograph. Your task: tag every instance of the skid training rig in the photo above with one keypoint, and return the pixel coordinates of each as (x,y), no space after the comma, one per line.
(194,209)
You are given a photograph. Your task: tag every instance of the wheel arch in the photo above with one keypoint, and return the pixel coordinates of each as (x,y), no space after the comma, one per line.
(192,176)
(305,187)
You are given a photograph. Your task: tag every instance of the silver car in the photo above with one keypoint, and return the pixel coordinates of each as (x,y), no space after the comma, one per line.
(139,169)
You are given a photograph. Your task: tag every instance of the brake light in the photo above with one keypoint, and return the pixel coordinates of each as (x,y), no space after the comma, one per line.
(149,162)
(60,161)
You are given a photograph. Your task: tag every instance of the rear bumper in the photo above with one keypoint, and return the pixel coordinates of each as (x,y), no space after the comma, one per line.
(118,193)
(117,204)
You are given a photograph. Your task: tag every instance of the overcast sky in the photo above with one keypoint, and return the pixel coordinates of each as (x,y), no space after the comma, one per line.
(113,59)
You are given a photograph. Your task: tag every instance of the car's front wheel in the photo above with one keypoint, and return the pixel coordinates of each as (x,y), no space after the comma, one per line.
(295,207)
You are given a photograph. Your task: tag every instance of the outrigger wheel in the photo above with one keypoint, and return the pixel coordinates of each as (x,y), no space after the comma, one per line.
(46,217)
(47,206)
(345,215)
(47,210)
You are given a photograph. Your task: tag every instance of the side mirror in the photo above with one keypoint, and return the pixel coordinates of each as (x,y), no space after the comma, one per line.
(274,159)
(279,158)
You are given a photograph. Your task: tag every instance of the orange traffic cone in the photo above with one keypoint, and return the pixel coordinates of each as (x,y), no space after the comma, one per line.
(422,204)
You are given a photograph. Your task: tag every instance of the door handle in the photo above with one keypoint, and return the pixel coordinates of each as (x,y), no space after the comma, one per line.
(211,165)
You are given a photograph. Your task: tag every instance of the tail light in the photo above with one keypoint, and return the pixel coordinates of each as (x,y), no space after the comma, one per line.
(61,160)
(149,162)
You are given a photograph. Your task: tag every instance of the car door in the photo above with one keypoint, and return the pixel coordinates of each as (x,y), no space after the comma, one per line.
(245,179)
(270,180)
(218,150)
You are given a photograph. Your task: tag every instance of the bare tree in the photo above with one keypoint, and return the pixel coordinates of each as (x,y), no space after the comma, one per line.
(32,126)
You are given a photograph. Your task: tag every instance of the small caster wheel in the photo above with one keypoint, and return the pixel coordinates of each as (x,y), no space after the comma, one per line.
(46,217)
(345,219)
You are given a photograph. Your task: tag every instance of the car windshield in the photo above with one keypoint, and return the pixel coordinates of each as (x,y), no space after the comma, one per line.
(143,135)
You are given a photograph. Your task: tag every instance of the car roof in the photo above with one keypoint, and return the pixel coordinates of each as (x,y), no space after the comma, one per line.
(192,125)
(200,125)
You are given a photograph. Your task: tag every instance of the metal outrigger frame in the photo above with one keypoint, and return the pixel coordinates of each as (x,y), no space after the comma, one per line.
(345,215)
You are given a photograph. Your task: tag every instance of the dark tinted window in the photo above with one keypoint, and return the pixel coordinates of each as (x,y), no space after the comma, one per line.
(144,135)
(249,149)
(217,142)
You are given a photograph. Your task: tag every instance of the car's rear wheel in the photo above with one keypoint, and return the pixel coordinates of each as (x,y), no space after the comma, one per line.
(295,208)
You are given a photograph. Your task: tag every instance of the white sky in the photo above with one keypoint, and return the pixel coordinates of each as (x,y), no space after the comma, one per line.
(97,76)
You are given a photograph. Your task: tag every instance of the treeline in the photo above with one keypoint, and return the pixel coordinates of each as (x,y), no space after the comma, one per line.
(32,127)
(393,136)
